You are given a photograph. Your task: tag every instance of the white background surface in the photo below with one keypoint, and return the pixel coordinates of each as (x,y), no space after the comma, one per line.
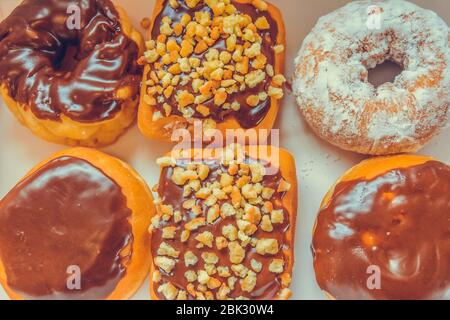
(319,164)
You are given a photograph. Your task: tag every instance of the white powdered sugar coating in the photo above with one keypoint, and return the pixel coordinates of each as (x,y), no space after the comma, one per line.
(331,78)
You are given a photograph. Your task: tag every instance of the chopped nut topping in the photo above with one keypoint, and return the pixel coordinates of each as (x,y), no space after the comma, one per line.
(232,282)
(166,162)
(203,193)
(221,243)
(252,213)
(182,295)
(249,191)
(190,276)
(194,224)
(185,235)
(260,5)
(258,172)
(181,176)
(246,227)
(276,93)
(239,270)
(226,180)
(210,269)
(276,266)
(252,100)
(156,276)
(286,279)
(188,69)
(262,23)
(167,250)
(227,210)
(202,277)
(190,259)
(267,246)
(210,257)
(203,171)
(277,216)
(225,213)
(279,80)
(213,214)
(256,265)
(278,49)
(284,186)
(223,292)
(223,272)
(168,290)
(237,253)
(206,238)
(266,224)
(249,282)
(230,232)
(189,204)
(267,193)
(165,263)
(169,232)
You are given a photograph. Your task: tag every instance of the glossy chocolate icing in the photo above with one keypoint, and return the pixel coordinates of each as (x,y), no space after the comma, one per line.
(398,222)
(268,284)
(247,117)
(68,213)
(54,70)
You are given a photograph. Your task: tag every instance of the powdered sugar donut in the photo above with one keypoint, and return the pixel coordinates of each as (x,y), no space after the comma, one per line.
(331,77)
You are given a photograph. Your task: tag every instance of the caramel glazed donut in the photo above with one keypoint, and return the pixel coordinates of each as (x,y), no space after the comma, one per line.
(331,77)
(69,84)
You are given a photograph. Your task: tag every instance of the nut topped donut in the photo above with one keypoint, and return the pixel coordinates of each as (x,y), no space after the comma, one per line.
(383,231)
(219,62)
(76,227)
(225,227)
(331,77)
(71,78)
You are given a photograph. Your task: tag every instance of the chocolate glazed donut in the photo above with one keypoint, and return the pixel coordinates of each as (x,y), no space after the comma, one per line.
(224,76)
(217,240)
(76,227)
(386,234)
(80,210)
(66,83)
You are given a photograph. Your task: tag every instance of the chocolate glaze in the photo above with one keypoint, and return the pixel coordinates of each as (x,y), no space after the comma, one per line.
(268,285)
(247,117)
(406,214)
(66,213)
(54,70)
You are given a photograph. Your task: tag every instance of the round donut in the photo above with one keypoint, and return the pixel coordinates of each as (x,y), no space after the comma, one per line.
(76,227)
(331,77)
(229,80)
(239,243)
(383,231)
(68,70)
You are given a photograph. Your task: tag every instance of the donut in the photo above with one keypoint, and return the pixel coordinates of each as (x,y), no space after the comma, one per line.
(218,63)
(331,77)
(76,227)
(69,86)
(224,227)
(383,231)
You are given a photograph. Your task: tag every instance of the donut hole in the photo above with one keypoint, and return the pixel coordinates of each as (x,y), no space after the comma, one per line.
(67,60)
(384,72)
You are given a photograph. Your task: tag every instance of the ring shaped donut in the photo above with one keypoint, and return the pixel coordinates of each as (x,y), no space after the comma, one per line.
(343,107)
